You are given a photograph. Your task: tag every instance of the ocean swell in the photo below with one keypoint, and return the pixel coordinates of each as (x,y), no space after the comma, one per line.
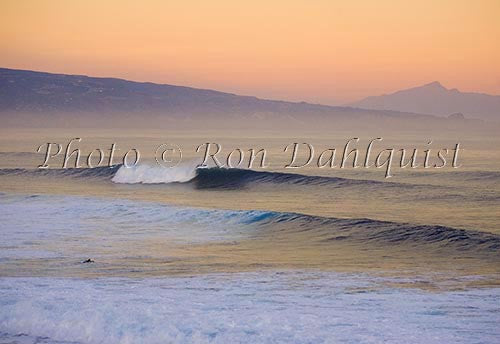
(200,178)
(232,224)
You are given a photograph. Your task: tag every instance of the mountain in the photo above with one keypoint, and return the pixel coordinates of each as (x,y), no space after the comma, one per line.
(45,99)
(435,99)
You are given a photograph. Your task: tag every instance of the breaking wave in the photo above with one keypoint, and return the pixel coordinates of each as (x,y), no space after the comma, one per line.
(230,178)
(145,174)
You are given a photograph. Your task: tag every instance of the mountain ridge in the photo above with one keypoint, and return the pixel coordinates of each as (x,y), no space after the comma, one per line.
(42,99)
(435,99)
(119,82)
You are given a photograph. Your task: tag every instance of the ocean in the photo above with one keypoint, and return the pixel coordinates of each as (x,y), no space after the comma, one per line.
(217,255)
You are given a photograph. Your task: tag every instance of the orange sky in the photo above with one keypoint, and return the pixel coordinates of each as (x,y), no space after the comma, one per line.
(319,51)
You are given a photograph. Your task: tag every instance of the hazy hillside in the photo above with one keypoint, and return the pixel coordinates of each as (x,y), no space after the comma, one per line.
(437,100)
(44,99)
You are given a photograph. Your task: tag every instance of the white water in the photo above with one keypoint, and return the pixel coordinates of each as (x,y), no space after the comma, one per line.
(147,174)
(286,307)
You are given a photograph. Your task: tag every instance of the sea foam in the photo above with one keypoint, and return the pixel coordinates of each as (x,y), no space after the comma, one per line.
(266,307)
(146,174)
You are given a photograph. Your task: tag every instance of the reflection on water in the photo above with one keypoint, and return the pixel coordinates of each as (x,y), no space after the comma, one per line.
(237,255)
(50,235)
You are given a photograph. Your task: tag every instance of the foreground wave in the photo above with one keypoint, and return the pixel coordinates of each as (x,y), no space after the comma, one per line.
(265,307)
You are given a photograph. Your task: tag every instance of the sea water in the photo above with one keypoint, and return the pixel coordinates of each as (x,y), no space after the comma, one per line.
(216,255)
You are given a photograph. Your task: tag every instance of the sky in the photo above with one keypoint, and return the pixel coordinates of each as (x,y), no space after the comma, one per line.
(330,52)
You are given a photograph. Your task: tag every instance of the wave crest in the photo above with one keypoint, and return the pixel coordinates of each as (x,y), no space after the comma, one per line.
(145,174)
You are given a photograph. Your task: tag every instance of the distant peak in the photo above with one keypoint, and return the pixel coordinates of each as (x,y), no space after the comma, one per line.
(434,84)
